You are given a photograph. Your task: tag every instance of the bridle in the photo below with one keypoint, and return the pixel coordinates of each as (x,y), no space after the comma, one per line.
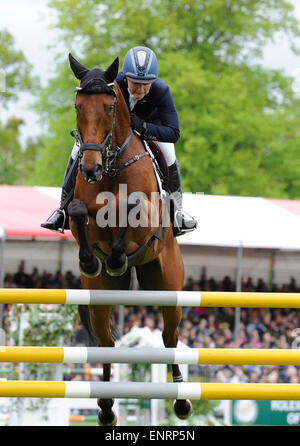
(109,155)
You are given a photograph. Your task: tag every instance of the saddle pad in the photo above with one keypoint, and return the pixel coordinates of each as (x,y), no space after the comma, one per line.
(159,166)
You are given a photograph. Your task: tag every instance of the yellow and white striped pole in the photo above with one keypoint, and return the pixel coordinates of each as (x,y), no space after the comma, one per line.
(207,391)
(93,355)
(146,298)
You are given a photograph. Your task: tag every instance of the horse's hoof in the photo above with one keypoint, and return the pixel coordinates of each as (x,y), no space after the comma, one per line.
(182,408)
(104,420)
(115,272)
(94,273)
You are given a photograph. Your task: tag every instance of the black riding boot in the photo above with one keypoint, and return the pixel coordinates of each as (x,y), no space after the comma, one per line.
(182,222)
(60,220)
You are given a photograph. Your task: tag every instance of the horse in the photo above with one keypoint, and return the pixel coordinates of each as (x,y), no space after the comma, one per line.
(112,159)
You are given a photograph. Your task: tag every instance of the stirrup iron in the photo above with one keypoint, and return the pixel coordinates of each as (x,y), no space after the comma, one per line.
(178,228)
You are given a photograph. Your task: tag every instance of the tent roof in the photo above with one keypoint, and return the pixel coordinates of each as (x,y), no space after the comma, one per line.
(24,208)
(254,222)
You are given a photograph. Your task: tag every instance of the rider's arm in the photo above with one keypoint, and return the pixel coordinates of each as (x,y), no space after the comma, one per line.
(166,127)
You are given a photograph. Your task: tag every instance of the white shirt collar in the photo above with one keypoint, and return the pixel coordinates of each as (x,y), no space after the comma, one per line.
(132,100)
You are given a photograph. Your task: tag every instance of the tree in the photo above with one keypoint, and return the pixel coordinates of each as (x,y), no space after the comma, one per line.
(16,77)
(9,151)
(239,128)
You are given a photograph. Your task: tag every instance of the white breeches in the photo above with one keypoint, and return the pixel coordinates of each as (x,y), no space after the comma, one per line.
(167,148)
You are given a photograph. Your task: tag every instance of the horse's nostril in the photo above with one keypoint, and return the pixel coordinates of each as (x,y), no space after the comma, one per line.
(97,172)
(92,175)
(98,169)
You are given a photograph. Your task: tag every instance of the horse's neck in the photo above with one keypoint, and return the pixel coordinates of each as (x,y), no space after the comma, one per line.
(122,127)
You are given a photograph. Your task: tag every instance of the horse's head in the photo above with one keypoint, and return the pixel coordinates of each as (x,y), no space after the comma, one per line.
(96,109)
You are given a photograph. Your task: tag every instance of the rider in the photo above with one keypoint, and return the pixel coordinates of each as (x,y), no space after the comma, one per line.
(153,115)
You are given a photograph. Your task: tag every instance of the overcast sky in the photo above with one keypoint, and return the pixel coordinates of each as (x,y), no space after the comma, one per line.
(27,21)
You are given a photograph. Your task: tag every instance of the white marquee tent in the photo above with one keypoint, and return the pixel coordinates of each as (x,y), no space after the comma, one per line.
(252,222)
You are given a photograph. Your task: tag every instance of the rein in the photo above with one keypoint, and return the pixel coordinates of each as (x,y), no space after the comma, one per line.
(109,154)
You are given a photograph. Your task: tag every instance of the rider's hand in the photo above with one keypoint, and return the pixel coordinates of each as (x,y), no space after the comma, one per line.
(137,123)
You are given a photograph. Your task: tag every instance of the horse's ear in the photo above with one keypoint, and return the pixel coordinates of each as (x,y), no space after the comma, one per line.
(112,70)
(79,70)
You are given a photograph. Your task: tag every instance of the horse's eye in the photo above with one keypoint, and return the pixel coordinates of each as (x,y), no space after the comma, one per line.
(110,109)
(75,106)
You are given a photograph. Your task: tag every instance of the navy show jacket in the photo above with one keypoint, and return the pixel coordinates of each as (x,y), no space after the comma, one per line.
(157,109)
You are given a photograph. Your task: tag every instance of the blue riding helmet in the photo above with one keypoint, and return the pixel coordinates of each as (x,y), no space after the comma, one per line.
(140,65)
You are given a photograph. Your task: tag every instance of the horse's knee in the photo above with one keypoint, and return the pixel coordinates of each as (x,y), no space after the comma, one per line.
(78,211)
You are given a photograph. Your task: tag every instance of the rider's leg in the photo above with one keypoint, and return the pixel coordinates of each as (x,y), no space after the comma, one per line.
(182,221)
(60,219)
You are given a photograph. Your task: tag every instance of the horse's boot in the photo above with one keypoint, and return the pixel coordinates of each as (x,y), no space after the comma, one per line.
(59,219)
(182,221)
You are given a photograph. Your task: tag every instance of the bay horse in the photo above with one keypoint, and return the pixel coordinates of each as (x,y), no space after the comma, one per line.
(111,157)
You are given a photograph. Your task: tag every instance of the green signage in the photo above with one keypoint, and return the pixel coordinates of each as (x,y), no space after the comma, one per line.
(266,413)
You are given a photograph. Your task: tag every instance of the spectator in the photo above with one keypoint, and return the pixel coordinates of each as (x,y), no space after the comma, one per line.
(292,285)
(227,284)
(21,279)
(203,281)
(239,376)
(249,286)
(189,284)
(9,281)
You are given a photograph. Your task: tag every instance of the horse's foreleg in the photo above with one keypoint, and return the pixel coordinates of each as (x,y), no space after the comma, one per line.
(172,318)
(116,263)
(89,264)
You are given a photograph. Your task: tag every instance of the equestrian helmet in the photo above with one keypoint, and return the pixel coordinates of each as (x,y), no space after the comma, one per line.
(140,65)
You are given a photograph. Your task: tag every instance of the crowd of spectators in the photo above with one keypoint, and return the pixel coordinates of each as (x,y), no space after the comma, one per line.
(44,279)
(205,327)
(214,328)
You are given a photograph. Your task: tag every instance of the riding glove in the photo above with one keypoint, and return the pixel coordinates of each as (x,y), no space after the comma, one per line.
(138,124)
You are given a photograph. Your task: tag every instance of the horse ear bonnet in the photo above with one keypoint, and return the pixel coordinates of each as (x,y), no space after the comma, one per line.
(112,70)
(96,80)
(79,70)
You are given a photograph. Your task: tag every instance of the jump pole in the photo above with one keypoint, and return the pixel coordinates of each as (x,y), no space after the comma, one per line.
(93,355)
(149,298)
(141,390)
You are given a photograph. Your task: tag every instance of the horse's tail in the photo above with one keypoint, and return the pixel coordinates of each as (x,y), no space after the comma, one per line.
(84,315)
(85,319)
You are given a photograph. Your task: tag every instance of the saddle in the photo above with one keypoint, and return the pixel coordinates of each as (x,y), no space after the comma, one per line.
(159,163)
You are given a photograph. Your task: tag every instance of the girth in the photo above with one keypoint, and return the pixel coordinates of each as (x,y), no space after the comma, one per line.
(137,257)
